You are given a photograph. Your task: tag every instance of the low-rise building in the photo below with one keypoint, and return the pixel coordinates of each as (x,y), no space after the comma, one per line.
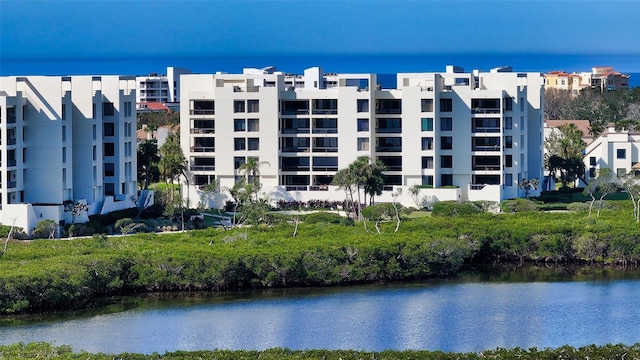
(618,150)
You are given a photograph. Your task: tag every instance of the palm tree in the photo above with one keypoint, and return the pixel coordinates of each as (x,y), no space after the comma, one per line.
(172,161)
(251,169)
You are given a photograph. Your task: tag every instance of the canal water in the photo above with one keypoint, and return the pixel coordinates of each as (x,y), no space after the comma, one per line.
(469,313)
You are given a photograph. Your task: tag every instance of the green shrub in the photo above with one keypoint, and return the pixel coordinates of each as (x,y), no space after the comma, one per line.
(453,208)
(578,206)
(518,205)
(323,217)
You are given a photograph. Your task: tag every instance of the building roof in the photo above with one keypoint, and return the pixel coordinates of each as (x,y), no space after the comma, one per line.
(582,125)
(153,106)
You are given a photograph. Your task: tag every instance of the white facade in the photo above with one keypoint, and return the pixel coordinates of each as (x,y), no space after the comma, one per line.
(616,150)
(65,139)
(464,136)
(160,88)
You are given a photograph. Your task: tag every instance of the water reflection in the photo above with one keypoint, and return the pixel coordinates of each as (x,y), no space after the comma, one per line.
(437,315)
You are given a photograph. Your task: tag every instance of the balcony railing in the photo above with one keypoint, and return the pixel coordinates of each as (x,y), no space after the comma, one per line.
(388,148)
(295,112)
(485,167)
(485,111)
(486,129)
(11,141)
(203,167)
(203,131)
(11,162)
(393,167)
(295,168)
(296,130)
(325,168)
(325,149)
(12,185)
(294,149)
(486,148)
(388,130)
(319,188)
(325,130)
(203,112)
(388,111)
(325,111)
(203,149)
(477,186)
(296,188)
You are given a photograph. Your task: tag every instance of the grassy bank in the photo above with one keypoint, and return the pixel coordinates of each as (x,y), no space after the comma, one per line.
(52,275)
(47,351)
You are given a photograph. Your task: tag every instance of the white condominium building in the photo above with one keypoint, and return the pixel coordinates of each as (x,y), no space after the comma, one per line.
(462,136)
(65,140)
(163,88)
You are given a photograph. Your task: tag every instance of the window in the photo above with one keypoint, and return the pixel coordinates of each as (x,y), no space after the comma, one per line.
(64,133)
(94,131)
(239,125)
(508,104)
(446,124)
(64,155)
(446,180)
(363,144)
(508,123)
(446,105)
(427,143)
(239,144)
(621,154)
(109,169)
(64,112)
(363,124)
(127,109)
(427,124)
(508,141)
(108,129)
(238,106)
(427,162)
(238,161)
(94,151)
(427,180)
(253,106)
(521,104)
(93,111)
(592,160)
(253,144)
(446,161)
(127,149)
(127,129)
(508,160)
(426,105)
(508,179)
(108,109)
(109,189)
(253,125)
(109,149)
(363,105)
(446,143)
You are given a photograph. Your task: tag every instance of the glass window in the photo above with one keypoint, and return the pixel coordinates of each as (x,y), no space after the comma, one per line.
(446,105)
(109,169)
(239,144)
(363,124)
(363,144)
(238,161)
(109,149)
(508,123)
(108,129)
(592,160)
(238,106)
(363,105)
(427,143)
(508,179)
(446,143)
(253,106)
(427,124)
(446,124)
(427,162)
(446,180)
(253,144)
(446,161)
(239,125)
(426,105)
(508,141)
(253,125)
(621,153)
(108,109)
(508,160)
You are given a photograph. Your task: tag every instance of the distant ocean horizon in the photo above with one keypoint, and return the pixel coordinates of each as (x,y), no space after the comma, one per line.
(378,63)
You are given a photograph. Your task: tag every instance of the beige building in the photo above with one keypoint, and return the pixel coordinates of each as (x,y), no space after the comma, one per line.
(600,77)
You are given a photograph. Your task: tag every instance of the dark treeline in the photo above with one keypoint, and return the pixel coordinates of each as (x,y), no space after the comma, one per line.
(619,107)
(52,275)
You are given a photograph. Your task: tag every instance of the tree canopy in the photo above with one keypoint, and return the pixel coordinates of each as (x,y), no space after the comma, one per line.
(564,154)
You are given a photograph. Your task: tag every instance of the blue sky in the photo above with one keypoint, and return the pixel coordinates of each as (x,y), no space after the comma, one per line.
(32,29)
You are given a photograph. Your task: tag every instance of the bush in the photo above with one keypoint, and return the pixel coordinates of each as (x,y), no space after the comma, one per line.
(578,206)
(323,217)
(453,208)
(518,205)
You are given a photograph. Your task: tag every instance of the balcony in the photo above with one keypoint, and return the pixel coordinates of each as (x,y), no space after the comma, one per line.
(202,167)
(485,167)
(325,168)
(295,149)
(485,111)
(324,130)
(203,131)
(389,148)
(11,163)
(300,130)
(325,149)
(196,149)
(295,112)
(202,112)
(296,188)
(319,188)
(485,130)
(486,147)
(295,167)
